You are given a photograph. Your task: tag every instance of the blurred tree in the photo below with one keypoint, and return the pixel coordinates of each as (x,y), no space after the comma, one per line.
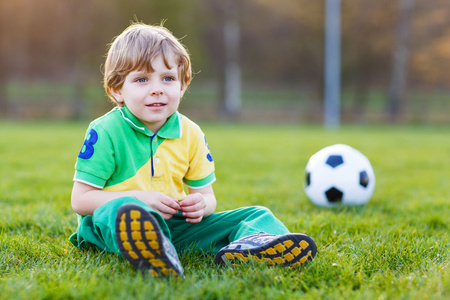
(366,50)
(232,37)
(282,42)
(79,47)
(3,63)
(224,14)
(430,53)
(400,60)
(229,66)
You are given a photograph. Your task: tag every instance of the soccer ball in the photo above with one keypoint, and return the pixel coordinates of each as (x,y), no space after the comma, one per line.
(339,174)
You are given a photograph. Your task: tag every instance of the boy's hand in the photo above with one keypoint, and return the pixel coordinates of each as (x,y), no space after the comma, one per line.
(161,203)
(86,199)
(193,207)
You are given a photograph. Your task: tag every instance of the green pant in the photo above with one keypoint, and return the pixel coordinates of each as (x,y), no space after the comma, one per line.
(210,235)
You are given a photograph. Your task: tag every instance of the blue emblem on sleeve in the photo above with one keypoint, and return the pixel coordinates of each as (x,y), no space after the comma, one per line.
(87,150)
(208,156)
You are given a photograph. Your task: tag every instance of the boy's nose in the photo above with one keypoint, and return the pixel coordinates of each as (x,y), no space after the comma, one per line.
(156,90)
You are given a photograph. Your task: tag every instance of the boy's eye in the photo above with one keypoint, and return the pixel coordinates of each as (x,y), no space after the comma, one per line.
(142,79)
(169,78)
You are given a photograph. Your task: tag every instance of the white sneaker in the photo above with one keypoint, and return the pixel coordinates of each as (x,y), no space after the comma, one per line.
(291,249)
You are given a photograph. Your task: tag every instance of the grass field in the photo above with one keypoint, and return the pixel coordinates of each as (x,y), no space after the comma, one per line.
(395,247)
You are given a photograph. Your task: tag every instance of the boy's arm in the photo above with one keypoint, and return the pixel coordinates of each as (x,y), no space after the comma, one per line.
(85,199)
(199,204)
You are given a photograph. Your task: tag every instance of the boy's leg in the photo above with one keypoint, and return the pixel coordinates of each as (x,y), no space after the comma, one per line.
(219,229)
(107,228)
(248,231)
(99,228)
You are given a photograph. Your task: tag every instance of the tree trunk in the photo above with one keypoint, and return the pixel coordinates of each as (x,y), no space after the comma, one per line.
(231,104)
(400,61)
(3,59)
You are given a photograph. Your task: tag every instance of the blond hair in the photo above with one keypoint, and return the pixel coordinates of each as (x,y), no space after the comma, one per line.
(136,47)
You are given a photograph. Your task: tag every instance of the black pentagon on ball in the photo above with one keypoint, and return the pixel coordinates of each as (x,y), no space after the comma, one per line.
(308,178)
(363,179)
(334,160)
(334,195)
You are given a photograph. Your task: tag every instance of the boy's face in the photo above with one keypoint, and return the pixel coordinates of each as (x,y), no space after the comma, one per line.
(152,97)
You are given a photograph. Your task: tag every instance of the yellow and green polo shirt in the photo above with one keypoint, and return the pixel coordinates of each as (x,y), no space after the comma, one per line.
(121,154)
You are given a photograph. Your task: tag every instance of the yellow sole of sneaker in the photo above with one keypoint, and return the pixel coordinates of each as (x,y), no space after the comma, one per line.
(292,250)
(140,242)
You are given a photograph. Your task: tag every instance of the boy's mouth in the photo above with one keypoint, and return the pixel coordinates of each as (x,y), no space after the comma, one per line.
(156,104)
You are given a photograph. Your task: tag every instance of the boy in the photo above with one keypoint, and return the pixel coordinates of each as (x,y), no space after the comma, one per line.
(130,174)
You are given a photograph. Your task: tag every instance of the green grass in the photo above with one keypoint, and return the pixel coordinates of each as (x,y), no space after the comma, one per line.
(395,247)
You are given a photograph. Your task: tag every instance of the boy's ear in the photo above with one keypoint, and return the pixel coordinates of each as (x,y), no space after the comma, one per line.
(117,93)
(182,92)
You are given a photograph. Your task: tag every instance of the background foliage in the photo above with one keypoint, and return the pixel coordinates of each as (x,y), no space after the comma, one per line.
(58,47)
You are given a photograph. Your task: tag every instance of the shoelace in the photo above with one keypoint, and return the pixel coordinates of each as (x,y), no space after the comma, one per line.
(260,239)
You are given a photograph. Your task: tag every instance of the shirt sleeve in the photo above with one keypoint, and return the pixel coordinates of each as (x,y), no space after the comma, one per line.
(201,164)
(95,162)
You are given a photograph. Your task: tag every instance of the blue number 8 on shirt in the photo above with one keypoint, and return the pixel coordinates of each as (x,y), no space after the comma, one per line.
(87,150)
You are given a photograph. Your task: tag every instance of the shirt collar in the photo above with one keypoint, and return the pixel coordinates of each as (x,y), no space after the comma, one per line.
(170,130)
